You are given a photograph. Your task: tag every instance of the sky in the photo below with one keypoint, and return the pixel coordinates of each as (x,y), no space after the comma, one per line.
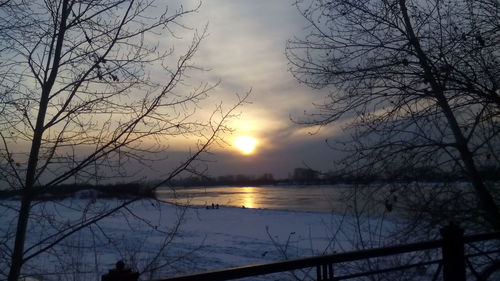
(245,50)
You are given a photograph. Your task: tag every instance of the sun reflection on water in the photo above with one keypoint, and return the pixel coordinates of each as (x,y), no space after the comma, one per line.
(248,196)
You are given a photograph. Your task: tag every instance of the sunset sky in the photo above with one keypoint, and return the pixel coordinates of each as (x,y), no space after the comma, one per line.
(245,50)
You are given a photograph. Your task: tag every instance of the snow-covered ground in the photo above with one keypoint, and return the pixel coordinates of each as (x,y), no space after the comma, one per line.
(174,240)
(159,239)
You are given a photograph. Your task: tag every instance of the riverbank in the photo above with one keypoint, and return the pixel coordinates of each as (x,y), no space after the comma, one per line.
(192,239)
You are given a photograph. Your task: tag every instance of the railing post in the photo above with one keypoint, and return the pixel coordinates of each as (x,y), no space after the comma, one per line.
(324,272)
(453,253)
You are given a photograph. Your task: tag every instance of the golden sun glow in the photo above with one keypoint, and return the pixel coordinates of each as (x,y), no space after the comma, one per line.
(248,197)
(245,144)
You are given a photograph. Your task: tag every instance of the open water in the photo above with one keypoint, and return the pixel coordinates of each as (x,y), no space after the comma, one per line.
(323,198)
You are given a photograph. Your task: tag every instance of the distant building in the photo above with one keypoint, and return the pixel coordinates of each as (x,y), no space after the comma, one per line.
(305,175)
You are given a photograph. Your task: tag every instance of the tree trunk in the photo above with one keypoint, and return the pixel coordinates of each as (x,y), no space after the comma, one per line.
(22,226)
(27,195)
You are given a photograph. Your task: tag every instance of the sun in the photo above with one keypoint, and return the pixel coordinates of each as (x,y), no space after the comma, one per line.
(245,144)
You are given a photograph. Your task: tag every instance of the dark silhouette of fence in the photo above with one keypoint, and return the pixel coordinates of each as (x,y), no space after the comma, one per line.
(452,264)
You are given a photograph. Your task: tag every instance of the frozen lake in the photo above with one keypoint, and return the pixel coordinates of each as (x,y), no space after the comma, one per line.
(316,198)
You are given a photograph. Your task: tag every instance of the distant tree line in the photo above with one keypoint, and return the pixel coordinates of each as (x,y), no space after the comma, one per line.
(300,176)
(237,180)
(305,176)
(409,174)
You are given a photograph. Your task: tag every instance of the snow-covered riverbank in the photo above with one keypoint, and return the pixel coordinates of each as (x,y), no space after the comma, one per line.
(204,239)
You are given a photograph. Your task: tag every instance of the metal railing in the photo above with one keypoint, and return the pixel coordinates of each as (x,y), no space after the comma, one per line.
(452,263)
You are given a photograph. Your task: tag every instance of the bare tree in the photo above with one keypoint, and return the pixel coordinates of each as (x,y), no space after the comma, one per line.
(89,87)
(414,83)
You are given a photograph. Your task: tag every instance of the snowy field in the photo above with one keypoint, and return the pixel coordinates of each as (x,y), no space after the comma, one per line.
(159,239)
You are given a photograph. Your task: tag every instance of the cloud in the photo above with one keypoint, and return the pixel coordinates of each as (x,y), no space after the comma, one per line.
(244,50)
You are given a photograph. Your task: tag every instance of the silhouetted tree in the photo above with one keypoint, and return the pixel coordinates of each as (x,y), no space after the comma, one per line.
(87,87)
(412,81)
